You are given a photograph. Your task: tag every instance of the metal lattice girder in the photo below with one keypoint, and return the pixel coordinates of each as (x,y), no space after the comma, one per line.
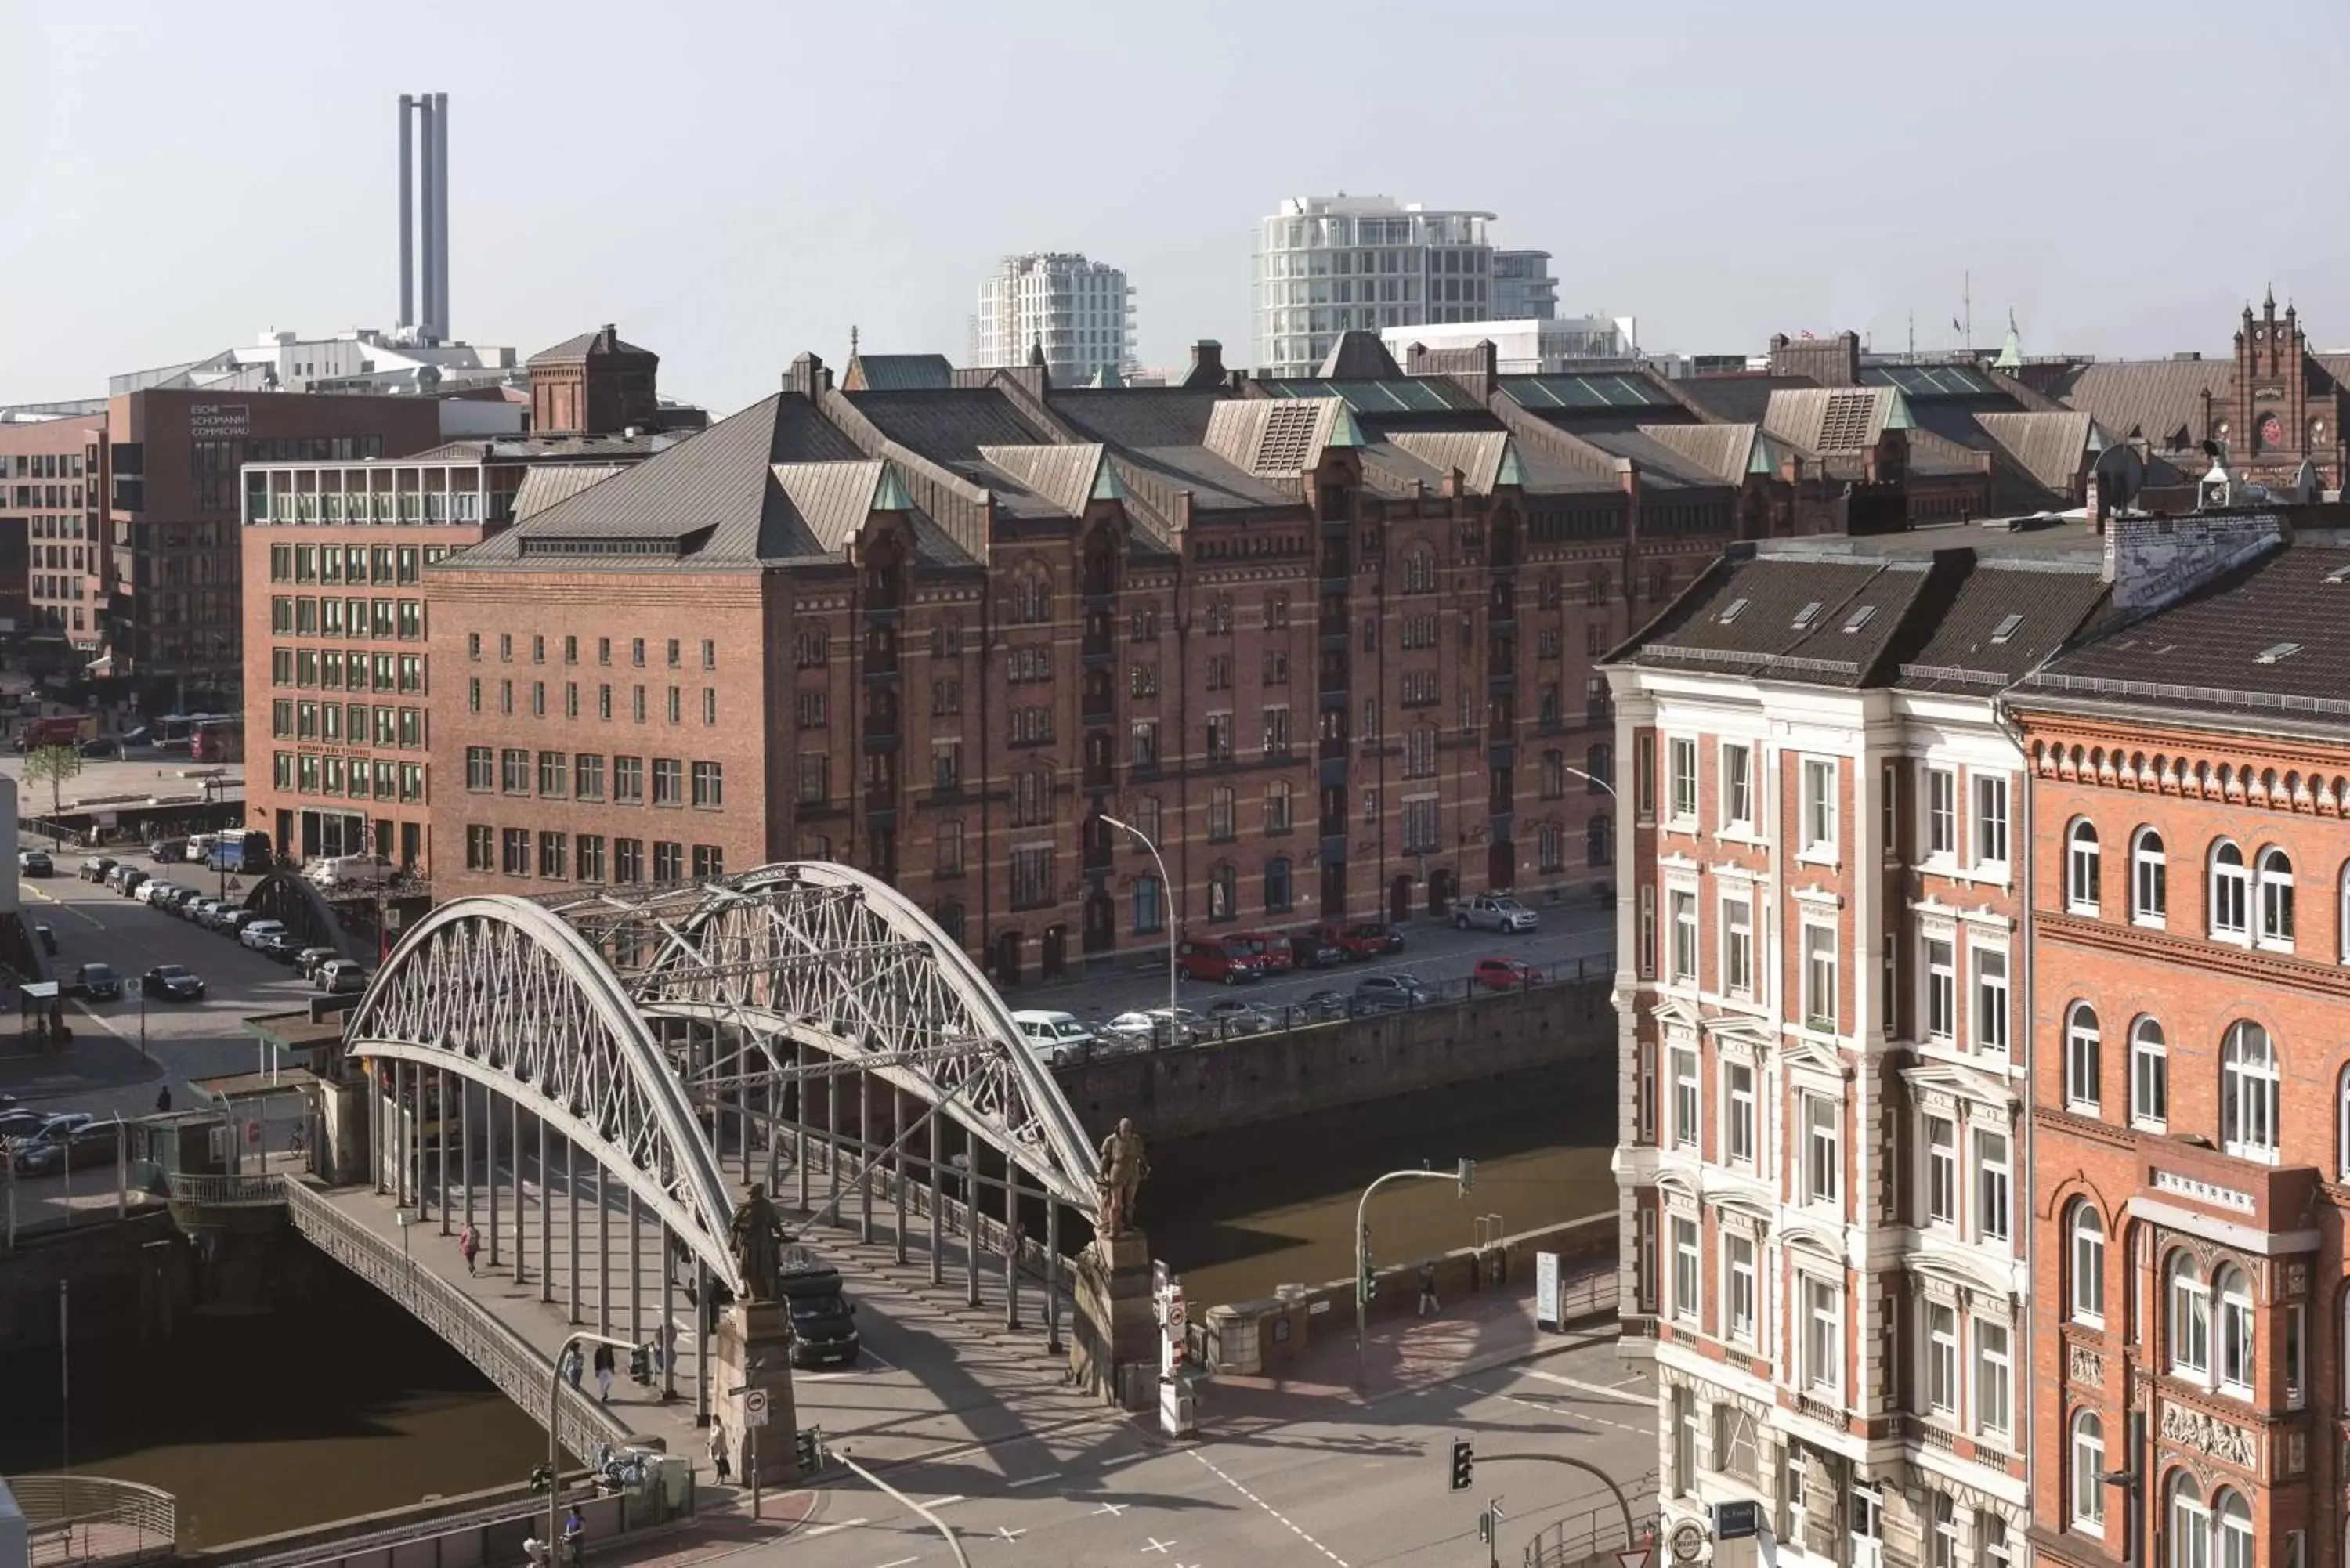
(502,993)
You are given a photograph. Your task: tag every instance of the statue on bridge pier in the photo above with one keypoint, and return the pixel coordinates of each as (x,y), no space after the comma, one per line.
(1122,1170)
(757,1238)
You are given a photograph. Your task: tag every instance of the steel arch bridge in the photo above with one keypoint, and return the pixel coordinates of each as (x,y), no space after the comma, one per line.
(616,1014)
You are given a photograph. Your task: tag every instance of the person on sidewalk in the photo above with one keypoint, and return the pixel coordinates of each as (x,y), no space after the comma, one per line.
(604,1373)
(1427,1306)
(469,1246)
(575,1536)
(572,1366)
(718,1459)
(164,1100)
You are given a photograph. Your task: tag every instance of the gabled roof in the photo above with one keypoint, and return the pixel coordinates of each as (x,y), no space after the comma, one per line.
(1484,459)
(2049,448)
(1768,617)
(954,427)
(1070,477)
(1279,437)
(605,342)
(1358,355)
(544,484)
(1738,397)
(1834,421)
(2153,399)
(1727,453)
(2036,605)
(1158,436)
(897,373)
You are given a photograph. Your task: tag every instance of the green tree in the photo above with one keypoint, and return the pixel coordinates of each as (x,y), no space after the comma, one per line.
(56,764)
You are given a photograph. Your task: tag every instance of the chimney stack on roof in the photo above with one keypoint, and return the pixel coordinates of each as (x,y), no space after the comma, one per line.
(1207,364)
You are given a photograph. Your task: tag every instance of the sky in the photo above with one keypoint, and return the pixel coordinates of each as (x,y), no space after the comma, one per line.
(732,181)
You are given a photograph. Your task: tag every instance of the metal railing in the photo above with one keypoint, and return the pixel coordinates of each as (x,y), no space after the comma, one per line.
(228,1191)
(518,1370)
(73,1519)
(1587,1532)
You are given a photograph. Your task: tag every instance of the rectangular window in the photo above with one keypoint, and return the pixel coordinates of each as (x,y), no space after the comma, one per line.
(1738,1113)
(1738,788)
(1941,1171)
(1942,813)
(627,860)
(1990,819)
(1820,978)
(1819,806)
(587,853)
(481,770)
(668,861)
(1685,1100)
(629,781)
(480,848)
(709,862)
(1684,917)
(1991,1184)
(668,781)
(514,852)
(553,852)
(709,792)
(1823,1335)
(1823,1149)
(946,859)
(554,774)
(1646,939)
(1644,777)
(1685,1272)
(1031,877)
(1994,1403)
(1738,946)
(1941,991)
(1990,998)
(588,777)
(514,764)
(1680,773)
(1738,1288)
(1941,1360)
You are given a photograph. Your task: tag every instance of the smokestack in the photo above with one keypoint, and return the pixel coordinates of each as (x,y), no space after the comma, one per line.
(440,219)
(431,204)
(407,215)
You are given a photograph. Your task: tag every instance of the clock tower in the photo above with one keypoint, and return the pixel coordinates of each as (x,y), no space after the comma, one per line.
(2272,421)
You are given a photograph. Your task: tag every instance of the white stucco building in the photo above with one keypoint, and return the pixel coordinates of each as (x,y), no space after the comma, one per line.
(1080,312)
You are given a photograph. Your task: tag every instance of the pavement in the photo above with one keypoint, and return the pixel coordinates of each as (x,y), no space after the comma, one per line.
(143,774)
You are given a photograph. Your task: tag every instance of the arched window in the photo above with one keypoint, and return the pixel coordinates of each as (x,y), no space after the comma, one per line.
(1554,775)
(2150,879)
(2088,1473)
(2080,868)
(2235,1532)
(2190,1525)
(1032,596)
(1223,881)
(1278,893)
(2235,1293)
(2081,1058)
(2149,1076)
(2341,1127)
(1149,906)
(2088,1263)
(2228,893)
(2276,899)
(1599,840)
(2249,1093)
(2190,1318)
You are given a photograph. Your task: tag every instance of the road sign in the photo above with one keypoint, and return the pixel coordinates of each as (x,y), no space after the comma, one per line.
(1736,1521)
(1546,1303)
(1689,1540)
(755,1407)
(1175,1311)
(1635,1557)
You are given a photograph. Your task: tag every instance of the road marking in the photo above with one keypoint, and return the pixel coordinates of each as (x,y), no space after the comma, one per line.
(946,1502)
(1648,1432)
(1278,1517)
(877,1361)
(1036,1481)
(901,1562)
(829,1529)
(1157,1545)
(1593,1388)
(1114,1509)
(1005,1532)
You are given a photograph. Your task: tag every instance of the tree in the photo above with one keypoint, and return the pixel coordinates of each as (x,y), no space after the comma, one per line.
(56,764)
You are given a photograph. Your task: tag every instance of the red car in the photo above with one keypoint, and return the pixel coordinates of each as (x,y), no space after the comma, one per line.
(1505,973)
(1219,958)
(1270,947)
(1361,940)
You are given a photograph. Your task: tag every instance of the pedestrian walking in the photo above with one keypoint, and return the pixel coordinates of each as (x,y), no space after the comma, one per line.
(572,1366)
(469,1246)
(164,1100)
(1427,1290)
(604,1373)
(575,1536)
(718,1459)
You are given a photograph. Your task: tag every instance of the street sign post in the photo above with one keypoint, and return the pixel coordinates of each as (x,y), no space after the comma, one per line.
(1546,1303)
(1636,1557)
(755,1407)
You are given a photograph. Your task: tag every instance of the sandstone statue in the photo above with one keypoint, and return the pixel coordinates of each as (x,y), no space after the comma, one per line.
(1122,1170)
(757,1238)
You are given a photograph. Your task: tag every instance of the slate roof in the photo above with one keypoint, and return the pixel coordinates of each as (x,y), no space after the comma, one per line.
(1725,453)
(1963,650)
(953,427)
(546,484)
(604,340)
(2205,653)
(1830,421)
(1737,399)
(1065,476)
(1479,455)
(1161,433)
(1279,437)
(2154,399)
(1359,354)
(2047,447)
(898,373)
(1662,466)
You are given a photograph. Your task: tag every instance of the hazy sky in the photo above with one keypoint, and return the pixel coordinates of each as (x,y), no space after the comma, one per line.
(734,181)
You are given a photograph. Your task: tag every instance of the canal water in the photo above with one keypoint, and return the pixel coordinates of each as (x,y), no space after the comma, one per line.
(347,1406)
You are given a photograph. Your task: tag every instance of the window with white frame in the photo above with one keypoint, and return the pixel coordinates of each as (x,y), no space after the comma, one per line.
(1645,940)
(1735,1451)
(2235,1326)
(2190,1524)
(1941,990)
(1683,906)
(1944,1550)
(1992,1529)
(2235,1531)
(1994,1388)
(2088,1235)
(1685,1110)
(1990,998)
(1737,1294)
(1738,944)
(2191,1319)
(1681,781)
(1738,1113)
(1823,1149)
(1941,1359)
(1820,978)
(2230,921)
(1819,805)
(1685,1277)
(2080,868)
(2250,1093)
(1993,1186)
(1990,819)
(2151,1076)
(1822,1335)
(2296,1357)
(2088,1509)
(1682,1412)
(2081,1058)
(1942,813)
(1738,788)
(1941,1171)
(2149,879)
(2276,899)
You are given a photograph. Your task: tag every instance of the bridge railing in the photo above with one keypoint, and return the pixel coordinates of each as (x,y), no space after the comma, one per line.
(83,1520)
(520,1372)
(228,1191)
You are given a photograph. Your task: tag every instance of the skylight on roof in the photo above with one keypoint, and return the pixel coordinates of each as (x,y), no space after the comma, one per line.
(1860,617)
(1732,611)
(2007,628)
(2276,653)
(1809,614)
(2338,574)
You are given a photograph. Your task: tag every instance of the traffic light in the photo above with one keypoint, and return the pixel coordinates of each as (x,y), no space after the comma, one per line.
(640,1362)
(1468,1177)
(1485,1525)
(541,1478)
(1368,1286)
(1464,1460)
(811,1450)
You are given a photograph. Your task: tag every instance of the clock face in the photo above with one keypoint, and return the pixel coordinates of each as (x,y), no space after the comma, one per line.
(2272,431)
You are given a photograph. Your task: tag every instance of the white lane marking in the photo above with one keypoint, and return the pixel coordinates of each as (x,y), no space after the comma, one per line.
(1278,1517)
(1650,1431)
(1036,1480)
(1005,1532)
(1114,1509)
(1157,1545)
(884,1364)
(1592,1389)
(829,1529)
(946,1502)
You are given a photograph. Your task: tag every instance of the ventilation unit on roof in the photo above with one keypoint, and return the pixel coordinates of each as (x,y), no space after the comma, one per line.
(1860,617)
(1730,611)
(1809,614)
(2276,653)
(2006,628)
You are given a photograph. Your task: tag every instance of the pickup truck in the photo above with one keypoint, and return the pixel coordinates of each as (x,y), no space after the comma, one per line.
(1492,912)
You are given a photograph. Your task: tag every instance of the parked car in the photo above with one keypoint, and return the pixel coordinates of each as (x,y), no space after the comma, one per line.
(1234,1016)
(1224,958)
(46,936)
(98,981)
(142,736)
(1505,973)
(1493,912)
(128,879)
(252,933)
(1054,1036)
(1313,951)
(1150,1028)
(1270,947)
(145,892)
(18,1123)
(1362,939)
(165,850)
(1322,1006)
(102,751)
(173,983)
(193,910)
(306,962)
(340,975)
(1385,992)
(279,947)
(233,923)
(35,863)
(92,1143)
(95,868)
(350,871)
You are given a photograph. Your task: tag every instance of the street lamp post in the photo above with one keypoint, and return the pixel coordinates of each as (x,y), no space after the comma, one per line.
(1174,919)
(1587,778)
(1465,1174)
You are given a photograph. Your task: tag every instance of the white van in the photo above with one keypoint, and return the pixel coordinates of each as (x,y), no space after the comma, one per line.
(349,871)
(1054,1036)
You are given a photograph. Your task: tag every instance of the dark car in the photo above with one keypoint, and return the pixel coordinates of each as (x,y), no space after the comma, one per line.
(1314,950)
(1385,992)
(48,938)
(1322,1006)
(95,868)
(824,1320)
(125,879)
(173,983)
(165,850)
(101,751)
(282,947)
(93,1143)
(20,1123)
(98,981)
(142,736)
(37,863)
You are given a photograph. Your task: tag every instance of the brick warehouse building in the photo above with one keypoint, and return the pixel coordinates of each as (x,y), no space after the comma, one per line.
(53,487)
(2191,1122)
(1331,642)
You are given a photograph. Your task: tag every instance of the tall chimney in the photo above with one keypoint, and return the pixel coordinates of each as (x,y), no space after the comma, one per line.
(427,322)
(441,221)
(407,214)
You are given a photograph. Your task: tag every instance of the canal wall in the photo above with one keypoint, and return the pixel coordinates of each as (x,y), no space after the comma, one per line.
(1274,1076)
(128,1278)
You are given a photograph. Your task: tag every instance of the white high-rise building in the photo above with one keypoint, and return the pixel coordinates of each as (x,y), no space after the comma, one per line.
(1080,312)
(1329,265)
